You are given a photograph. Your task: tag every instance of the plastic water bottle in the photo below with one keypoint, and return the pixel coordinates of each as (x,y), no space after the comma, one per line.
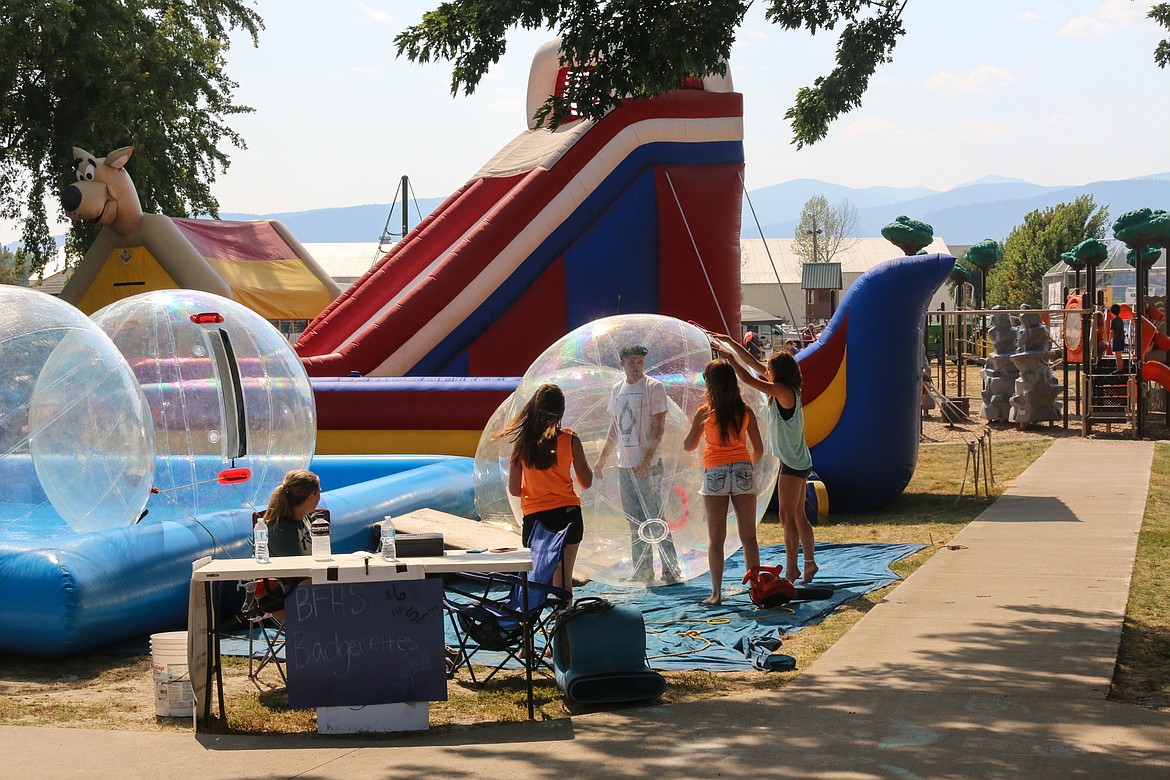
(319,532)
(260,542)
(389,545)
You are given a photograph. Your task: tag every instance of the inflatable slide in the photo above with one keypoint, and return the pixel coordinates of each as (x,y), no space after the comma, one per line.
(638,212)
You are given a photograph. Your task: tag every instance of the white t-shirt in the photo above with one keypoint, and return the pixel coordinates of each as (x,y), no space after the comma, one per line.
(632,406)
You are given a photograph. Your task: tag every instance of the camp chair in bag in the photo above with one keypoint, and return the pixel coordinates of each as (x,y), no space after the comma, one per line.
(486,610)
(599,655)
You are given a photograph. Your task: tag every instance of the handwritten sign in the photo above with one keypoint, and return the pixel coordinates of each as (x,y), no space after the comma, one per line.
(364,643)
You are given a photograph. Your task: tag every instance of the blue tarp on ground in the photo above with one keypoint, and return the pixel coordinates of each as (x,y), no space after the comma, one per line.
(682,634)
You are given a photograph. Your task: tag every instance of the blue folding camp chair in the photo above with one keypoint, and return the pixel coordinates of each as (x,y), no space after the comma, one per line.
(487,610)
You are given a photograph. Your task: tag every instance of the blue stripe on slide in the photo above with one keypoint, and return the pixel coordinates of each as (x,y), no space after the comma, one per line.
(565,235)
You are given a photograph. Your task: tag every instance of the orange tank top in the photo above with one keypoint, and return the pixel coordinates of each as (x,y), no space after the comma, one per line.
(550,488)
(732,451)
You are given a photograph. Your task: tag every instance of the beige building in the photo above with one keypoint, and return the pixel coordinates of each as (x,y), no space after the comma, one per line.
(771,274)
(346,262)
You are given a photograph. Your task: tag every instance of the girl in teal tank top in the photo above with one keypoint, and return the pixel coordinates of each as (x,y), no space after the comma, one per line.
(781,383)
(786,429)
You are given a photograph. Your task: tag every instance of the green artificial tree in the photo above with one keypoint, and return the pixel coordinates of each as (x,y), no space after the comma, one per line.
(1151,255)
(909,235)
(958,280)
(1072,261)
(1091,252)
(983,255)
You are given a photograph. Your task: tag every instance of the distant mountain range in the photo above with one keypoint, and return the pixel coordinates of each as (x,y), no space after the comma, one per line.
(987,208)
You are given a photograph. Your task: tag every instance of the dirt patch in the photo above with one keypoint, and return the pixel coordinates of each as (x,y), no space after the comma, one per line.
(94,692)
(100,692)
(937,430)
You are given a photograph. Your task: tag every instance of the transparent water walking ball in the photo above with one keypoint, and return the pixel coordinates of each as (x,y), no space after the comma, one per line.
(659,527)
(76,441)
(226,391)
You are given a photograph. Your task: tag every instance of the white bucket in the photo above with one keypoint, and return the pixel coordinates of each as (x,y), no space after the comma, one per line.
(173,695)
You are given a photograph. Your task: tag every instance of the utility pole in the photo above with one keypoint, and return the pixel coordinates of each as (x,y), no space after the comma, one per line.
(816,231)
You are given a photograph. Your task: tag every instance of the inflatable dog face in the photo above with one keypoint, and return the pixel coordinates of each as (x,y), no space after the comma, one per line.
(104,194)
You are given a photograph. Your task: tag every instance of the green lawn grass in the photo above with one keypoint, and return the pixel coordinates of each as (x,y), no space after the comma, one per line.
(1142,675)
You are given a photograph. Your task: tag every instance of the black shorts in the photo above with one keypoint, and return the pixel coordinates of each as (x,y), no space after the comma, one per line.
(554,520)
(788,471)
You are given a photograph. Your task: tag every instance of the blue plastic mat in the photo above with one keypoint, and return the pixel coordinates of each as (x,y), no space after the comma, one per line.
(237,643)
(735,636)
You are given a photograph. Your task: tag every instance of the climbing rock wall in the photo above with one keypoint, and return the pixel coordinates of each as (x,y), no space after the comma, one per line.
(1036,388)
(999,372)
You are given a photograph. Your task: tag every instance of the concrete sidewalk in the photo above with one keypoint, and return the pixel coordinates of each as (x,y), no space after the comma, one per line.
(992,660)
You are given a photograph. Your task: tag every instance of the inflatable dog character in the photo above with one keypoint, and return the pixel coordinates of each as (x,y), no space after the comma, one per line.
(105,195)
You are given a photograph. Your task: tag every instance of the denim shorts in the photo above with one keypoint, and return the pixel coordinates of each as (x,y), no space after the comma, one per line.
(732,479)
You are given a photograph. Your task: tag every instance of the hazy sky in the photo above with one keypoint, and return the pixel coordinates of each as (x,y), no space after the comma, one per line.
(1050,92)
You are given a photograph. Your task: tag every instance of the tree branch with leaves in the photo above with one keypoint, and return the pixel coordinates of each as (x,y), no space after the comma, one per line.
(642,48)
(1160,13)
(101,75)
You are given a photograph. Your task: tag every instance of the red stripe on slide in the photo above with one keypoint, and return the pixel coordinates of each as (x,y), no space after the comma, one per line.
(431,410)
(710,196)
(310,341)
(514,341)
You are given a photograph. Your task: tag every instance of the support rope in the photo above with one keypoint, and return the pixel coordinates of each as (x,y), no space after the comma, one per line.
(771,262)
(687,225)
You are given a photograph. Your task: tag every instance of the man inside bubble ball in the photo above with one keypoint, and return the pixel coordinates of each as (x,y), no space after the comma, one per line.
(637,410)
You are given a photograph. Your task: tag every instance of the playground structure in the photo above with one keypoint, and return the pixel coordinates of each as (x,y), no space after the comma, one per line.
(1083,384)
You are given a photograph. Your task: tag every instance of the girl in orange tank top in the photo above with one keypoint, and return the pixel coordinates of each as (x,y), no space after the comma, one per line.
(544,458)
(727,425)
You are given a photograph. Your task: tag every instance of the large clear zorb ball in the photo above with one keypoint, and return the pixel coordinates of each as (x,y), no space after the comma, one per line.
(227,392)
(493,504)
(658,532)
(76,442)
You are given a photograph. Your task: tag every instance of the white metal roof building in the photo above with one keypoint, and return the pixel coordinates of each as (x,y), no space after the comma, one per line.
(346,262)
(758,272)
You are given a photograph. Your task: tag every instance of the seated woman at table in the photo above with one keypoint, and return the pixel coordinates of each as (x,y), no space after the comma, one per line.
(291,502)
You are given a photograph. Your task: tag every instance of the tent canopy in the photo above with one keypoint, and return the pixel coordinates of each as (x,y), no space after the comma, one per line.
(750,315)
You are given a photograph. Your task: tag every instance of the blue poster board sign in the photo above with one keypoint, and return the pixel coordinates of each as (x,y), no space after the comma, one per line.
(362,643)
